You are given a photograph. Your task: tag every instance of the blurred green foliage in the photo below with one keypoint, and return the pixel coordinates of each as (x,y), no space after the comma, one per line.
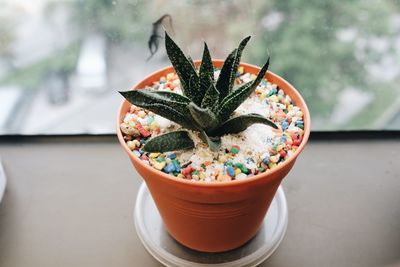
(62,61)
(305,49)
(118,20)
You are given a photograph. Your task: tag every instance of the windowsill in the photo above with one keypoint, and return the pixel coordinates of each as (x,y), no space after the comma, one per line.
(69,202)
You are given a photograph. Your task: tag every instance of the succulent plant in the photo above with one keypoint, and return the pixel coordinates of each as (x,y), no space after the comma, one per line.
(206,105)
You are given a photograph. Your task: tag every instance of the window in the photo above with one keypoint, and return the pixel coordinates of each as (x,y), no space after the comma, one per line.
(62,62)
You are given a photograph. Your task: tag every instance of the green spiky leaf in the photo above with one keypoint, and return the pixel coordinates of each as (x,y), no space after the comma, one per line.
(191,61)
(166,104)
(204,117)
(223,81)
(144,97)
(227,76)
(241,123)
(184,69)
(236,97)
(171,114)
(206,71)
(178,140)
(236,63)
(211,98)
(214,143)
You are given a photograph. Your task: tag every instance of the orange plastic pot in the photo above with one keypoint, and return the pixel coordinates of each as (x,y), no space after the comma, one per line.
(218,216)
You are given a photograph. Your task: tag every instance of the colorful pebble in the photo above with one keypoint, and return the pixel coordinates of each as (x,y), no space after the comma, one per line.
(230,171)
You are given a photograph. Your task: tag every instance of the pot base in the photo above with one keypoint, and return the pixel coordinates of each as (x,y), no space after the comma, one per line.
(169,252)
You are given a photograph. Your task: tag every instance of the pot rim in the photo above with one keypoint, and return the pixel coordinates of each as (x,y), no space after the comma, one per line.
(264,175)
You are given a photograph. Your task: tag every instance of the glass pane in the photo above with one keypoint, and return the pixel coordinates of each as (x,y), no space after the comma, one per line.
(62,62)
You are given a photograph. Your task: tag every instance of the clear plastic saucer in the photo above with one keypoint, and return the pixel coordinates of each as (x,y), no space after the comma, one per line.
(2,181)
(169,252)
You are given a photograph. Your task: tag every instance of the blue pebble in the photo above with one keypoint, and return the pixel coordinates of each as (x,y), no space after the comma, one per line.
(177,165)
(297,123)
(178,168)
(141,151)
(231,171)
(169,168)
(283,139)
(265,160)
(172,156)
(285,125)
(142,141)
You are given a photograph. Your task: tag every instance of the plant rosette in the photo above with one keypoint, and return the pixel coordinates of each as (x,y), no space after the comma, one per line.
(208,215)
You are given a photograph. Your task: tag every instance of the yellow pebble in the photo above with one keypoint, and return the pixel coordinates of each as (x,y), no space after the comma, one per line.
(271,165)
(141,114)
(170,76)
(262,96)
(237,171)
(195,177)
(273,98)
(154,155)
(299,114)
(153,125)
(279,148)
(131,145)
(290,107)
(223,177)
(136,142)
(222,158)
(274,159)
(241,70)
(159,165)
(202,176)
(180,175)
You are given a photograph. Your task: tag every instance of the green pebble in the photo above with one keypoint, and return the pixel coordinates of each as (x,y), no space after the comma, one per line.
(195,173)
(234,150)
(228,163)
(261,169)
(176,162)
(300,126)
(242,167)
(160,159)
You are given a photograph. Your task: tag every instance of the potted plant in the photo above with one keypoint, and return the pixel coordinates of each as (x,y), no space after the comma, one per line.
(218,210)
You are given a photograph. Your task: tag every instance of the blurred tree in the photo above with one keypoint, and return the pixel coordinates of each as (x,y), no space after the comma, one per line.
(302,37)
(7,38)
(117,20)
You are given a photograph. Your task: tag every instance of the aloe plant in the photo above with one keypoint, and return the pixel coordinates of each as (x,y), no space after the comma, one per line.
(206,105)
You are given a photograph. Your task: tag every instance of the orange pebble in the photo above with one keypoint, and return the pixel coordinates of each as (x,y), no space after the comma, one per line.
(207,163)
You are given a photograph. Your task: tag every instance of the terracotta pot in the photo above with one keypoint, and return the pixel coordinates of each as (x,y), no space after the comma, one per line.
(220,216)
